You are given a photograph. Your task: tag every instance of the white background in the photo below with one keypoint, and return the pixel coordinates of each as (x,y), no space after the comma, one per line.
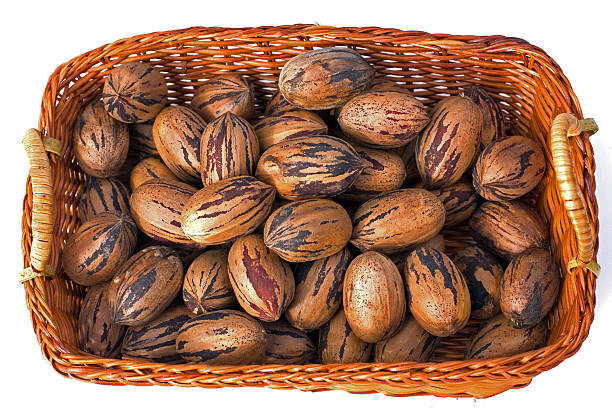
(36,38)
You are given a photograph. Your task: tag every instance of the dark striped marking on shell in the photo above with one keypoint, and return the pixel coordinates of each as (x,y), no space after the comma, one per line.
(224,93)
(439,297)
(177,132)
(103,195)
(459,200)
(97,333)
(492,118)
(437,242)
(498,338)
(276,104)
(222,337)
(509,168)
(318,291)
(483,274)
(147,169)
(100,142)
(263,283)
(384,172)
(307,230)
(229,148)
(206,286)
(157,206)
(410,343)
(276,204)
(142,143)
(338,343)
(447,146)
(134,92)
(406,152)
(287,124)
(310,167)
(383,119)
(529,287)
(99,247)
(145,285)
(325,78)
(226,210)
(156,341)
(508,228)
(391,222)
(287,345)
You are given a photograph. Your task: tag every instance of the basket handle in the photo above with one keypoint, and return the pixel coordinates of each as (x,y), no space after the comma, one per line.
(565,126)
(43,208)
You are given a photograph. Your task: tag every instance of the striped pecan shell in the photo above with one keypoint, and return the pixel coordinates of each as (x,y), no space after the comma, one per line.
(263,283)
(206,286)
(103,195)
(439,298)
(383,119)
(286,344)
(508,228)
(224,93)
(459,200)
(529,287)
(99,247)
(373,297)
(325,78)
(307,230)
(509,168)
(97,333)
(483,275)
(448,144)
(492,118)
(276,204)
(338,343)
(145,285)
(177,132)
(393,221)
(498,338)
(134,92)
(318,290)
(385,84)
(229,148)
(226,210)
(310,167)
(186,254)
(287,124)
(410,343)
(222,337)
(276,104)
(406,152)
(148,169)
(156,207)
(156,340)
(384,172)
(142,144)
(437,242)
(100,142)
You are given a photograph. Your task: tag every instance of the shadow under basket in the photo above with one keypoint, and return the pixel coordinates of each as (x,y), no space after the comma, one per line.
(531,90)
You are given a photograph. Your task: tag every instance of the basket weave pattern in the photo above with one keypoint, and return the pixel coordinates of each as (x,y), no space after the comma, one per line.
(531,90)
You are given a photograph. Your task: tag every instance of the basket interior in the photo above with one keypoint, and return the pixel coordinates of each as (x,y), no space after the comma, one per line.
(519,77)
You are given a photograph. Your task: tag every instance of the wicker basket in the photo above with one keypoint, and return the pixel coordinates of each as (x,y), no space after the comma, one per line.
(528,84)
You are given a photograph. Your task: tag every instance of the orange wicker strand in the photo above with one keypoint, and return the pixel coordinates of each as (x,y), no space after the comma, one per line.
(531,89)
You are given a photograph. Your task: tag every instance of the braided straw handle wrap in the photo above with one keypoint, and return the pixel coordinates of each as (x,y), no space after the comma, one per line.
(43,208)
(565,126)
